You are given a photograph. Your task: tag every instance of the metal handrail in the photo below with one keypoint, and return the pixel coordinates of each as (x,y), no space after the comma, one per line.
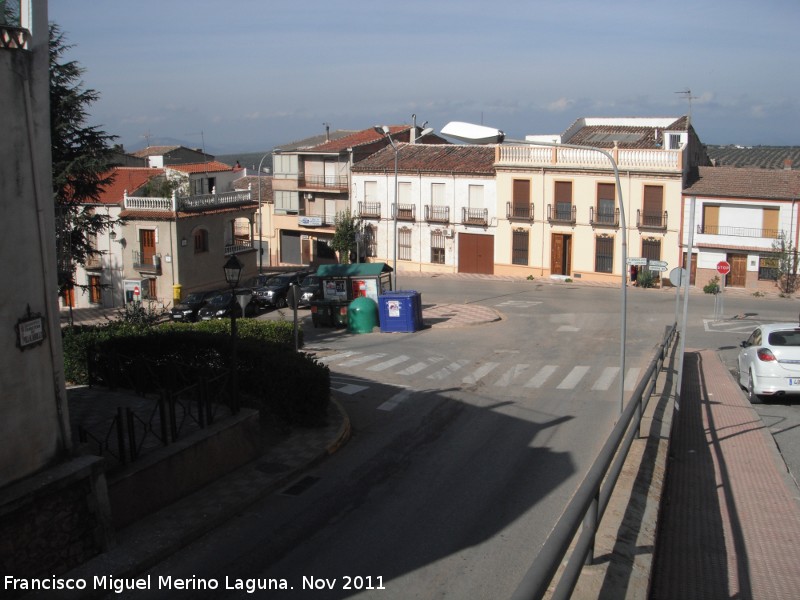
(592,497)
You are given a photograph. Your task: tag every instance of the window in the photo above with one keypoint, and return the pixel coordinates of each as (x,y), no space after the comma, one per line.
(476,196)
(519,246)
(563,198)
(521,199)
(437,194)
(200,241)
(370,191)
(203,185)
(674,141)
(768,268)
(405,208)
(404,244)
(653,215)
(371,240)
(437,247)
(606,203)
(284,166)
(286,202)
(651,249)
(710,219)
(604,254)
(150,285)
(95,296)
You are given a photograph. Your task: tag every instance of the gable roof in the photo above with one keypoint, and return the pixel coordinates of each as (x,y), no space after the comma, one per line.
(126,178)
(153,151)
(315,140)
(637,133)
(358,138)
(432,158)
(731,182)
(213,166)
(763,157)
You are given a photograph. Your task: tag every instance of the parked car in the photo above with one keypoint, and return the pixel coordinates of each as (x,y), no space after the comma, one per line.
(769,361)
(310,289)
(187,309)
(219,307)
(274,292)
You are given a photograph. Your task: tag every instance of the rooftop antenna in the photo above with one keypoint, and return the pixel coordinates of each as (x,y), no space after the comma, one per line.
(147,135)
(327,131)
(688,95)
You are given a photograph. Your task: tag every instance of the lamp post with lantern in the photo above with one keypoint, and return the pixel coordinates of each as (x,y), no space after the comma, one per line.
(233,271)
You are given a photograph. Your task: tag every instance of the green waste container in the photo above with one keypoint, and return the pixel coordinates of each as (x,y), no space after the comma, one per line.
(362,315)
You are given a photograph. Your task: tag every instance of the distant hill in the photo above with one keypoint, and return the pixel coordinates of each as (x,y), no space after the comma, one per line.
(249,160)
(754,157)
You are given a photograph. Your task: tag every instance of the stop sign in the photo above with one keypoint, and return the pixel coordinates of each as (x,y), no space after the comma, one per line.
(723,267)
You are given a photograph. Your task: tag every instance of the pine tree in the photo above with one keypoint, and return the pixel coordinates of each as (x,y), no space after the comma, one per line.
(82,159)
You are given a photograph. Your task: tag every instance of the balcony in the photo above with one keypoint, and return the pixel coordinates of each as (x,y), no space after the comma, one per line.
(739,231)
(369,210)
(519,212)
(542,156)
(329,183)
(437,214)
(147,263)
(93,263)
(475,216)
(405,212)
(197,203)
(238,246)
(561,213)
(603,218)
(651,220)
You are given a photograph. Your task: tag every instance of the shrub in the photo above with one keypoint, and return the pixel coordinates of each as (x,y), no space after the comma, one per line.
(645,279)
(712,287)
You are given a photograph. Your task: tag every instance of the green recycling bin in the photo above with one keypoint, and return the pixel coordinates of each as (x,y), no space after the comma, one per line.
(362,315)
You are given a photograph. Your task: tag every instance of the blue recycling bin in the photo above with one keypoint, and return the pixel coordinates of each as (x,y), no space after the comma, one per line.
(400,311)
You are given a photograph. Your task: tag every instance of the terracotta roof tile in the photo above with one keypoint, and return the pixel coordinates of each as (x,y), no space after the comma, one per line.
(732,182)
(126,178)
(213,166)
(359,138)
(432,158)
(154,151)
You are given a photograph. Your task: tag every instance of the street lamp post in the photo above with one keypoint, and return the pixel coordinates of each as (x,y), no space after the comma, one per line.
(471,133)
(233,270)
(260,222)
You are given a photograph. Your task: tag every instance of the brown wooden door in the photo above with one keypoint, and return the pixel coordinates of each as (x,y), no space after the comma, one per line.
(738,274)
(694,267)
(475,253)
(147,241)
(561,254)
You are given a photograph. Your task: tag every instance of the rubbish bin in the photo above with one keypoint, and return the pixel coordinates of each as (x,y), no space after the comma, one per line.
(321,313)
(339,313)
(362,315)
(400,311)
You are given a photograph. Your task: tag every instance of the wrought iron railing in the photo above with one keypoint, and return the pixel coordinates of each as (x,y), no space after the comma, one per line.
(146,263)
(475,216)
(406,212)
(519,212)
(369,210)
(602,217)
(651,220)
(323,182)
(437,214)
(561,213)
(739,231)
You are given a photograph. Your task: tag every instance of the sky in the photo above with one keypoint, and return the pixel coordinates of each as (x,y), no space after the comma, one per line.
(248,75)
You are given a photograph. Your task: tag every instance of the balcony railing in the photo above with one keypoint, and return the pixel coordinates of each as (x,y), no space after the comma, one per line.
(475,216)
(323,182)
(652,159)
(739,231)
(519,212)
(369,210)
(238,246)
(146,263)
(188,203)
(561,213)
(603,218)
(93,263)
(406,212)
(437,214)
(651,220)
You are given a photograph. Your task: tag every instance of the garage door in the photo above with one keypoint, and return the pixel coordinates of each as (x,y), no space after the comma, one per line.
(475,253)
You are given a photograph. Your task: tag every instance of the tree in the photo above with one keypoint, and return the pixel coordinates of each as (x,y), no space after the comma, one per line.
(344,238)
(786,263)
(82,161)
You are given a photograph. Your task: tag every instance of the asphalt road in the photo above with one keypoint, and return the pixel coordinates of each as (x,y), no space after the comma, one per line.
(467,443)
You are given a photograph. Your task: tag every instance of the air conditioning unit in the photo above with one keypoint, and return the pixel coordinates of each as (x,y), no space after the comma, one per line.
(448,233)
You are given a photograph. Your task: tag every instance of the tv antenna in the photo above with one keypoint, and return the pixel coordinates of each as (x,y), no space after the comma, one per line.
(147,135)
(687,93)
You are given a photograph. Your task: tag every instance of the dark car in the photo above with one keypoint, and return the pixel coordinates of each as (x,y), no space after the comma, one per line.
(274,292)
(219,307)
(310,289)
(187,309)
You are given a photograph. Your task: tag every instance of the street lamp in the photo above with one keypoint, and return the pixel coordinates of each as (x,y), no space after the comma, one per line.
(480,134)
(384,130)
(233,270)
(260,222)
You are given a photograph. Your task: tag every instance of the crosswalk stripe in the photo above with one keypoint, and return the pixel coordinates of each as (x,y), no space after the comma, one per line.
(360,360)
(511,374)
(480,372)
(573,378)
(398,398)
(389,363)
(445,371)
(417,367)
(606,378)
(351,388)
(335,357)
(538,380)
(632,378)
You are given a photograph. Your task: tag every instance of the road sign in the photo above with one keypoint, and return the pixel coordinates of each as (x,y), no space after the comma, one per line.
(636,261)
(658,263)
(676,276)
(657,268)
(723,267)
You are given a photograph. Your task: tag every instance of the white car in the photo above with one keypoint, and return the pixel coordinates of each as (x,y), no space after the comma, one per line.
(769,361)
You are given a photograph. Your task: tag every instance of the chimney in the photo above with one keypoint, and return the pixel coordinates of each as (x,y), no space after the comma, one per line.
(327,132)
(787,164)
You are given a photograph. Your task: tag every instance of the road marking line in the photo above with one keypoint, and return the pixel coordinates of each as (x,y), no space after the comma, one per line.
(449,369)
(631,379)
(573,378)
(351,388)
(606,378)
(395,400)
(334,357)
(511,374)
(417,367)
(538,380)
(480,372)
(361,360)
(389,363)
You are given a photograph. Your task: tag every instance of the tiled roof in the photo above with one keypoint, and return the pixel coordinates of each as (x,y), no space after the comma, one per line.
(166,215)
(432,158)
(266,186)
(730,182)
(126,178)
(316,140)
(359,138)
(762,157)
(212,166)
(154,151)
(629,133)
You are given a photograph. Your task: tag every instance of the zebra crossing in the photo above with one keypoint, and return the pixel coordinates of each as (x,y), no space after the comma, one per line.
(440,369)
